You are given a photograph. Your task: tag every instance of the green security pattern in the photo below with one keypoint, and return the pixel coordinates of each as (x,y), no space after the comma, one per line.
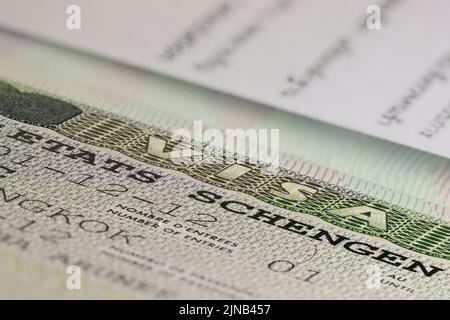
(405,228)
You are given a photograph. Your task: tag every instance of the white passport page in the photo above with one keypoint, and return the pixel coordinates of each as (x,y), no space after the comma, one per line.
(316,58)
